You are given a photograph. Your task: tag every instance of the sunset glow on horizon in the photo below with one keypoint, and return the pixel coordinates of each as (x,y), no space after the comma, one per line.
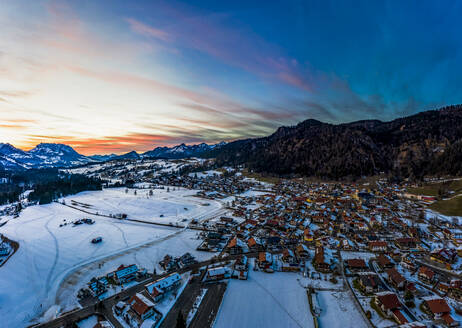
(111,77)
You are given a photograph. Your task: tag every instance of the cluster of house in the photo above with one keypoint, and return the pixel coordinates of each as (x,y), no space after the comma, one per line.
(386,280)
(142,305)
(302,221)
(437,307)
(122,275)
(169,264)
(213,186)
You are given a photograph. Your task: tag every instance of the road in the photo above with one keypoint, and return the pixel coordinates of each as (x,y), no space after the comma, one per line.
(208,309)
(183,303)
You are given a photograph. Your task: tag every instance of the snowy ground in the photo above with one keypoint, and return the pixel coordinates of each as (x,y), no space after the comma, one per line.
(174,206)
(53,262)
(265,300)
(338,310)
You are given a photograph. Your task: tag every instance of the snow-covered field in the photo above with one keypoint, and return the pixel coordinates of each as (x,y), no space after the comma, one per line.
(174,206)
(265,300)
(338,310)
(53,262)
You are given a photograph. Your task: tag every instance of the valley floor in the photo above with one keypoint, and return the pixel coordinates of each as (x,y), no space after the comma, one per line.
(53,262)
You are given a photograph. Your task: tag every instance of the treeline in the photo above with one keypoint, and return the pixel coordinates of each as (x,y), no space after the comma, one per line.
(47,185)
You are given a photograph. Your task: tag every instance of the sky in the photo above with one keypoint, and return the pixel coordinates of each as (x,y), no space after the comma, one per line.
(115,76)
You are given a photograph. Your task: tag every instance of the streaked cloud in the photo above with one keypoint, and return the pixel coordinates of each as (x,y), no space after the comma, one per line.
(146,30)
(138,75)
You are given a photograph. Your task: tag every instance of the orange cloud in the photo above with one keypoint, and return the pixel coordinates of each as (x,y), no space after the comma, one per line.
(104,145)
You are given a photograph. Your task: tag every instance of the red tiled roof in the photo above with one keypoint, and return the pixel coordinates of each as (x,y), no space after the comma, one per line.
(138,305)
(438,305)
(390,301)
(426,272)
(377,243)
(448,319)
(400,317)
(356,263)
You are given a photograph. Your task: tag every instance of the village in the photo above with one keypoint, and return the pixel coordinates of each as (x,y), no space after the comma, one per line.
(372,249)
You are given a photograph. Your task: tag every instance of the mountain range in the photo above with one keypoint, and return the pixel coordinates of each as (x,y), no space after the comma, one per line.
(47,155)
(426,143)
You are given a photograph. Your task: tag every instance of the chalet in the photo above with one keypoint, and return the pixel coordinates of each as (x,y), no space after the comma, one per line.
(167,263)
(442,288)
(395,278)
(426,275)
(265,260)
(160,287)
(439,310)
(406,242)
(236,246)
(455,289)
(369,281)
(255,244)
(98,285)
(124,274)
(302,252)
(446,256)
(356,265)
(408,262)
(141,307)
(384,262)
(186,260)
(319,262)
(389,303)
(241,263)
(217,273)
(288,256)
(378,246)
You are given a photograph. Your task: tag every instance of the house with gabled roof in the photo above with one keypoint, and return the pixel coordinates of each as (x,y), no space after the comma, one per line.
(426,275)
(160,287)
(455,289)
(395,278)
(378,246)
(124,274)
(217,273)
(141,307)
(356,265)
(439,309)
(369,281)
(390,305)
(302,251)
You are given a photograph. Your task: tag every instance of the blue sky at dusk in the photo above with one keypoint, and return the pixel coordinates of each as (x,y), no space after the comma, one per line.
(113,76)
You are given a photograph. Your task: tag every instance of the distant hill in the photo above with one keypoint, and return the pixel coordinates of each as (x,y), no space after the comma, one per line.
(407,147)
(42,156)
(182,151)
(49,155)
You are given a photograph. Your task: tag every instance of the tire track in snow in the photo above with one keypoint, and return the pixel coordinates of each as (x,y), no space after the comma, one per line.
(55,262)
